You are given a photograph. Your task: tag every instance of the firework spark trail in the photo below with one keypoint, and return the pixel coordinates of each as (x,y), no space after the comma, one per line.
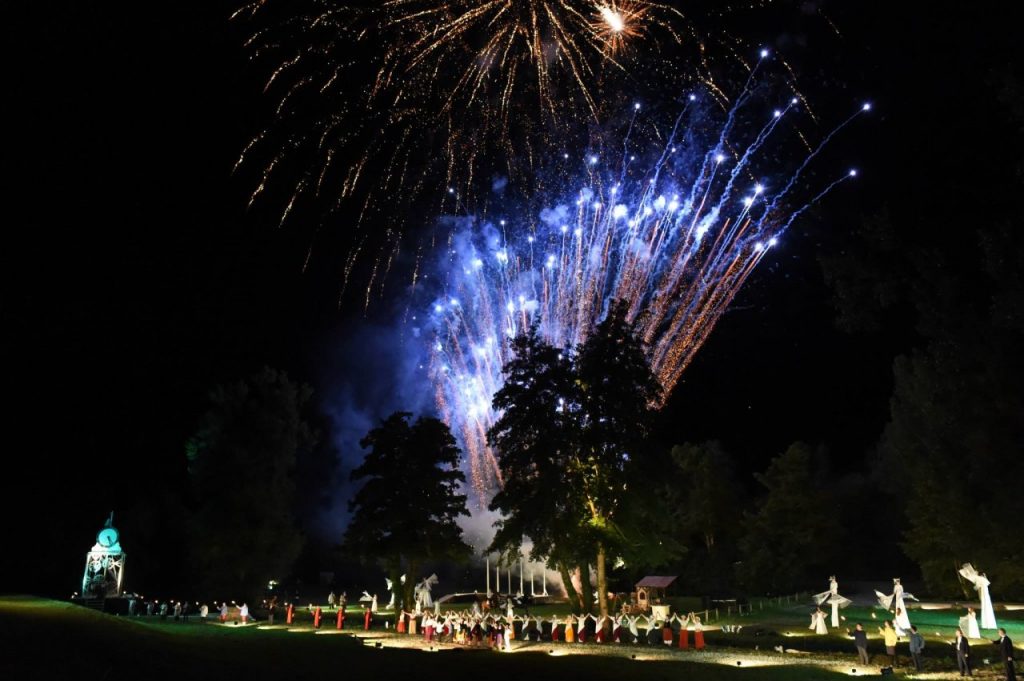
(676,240)
(377,98)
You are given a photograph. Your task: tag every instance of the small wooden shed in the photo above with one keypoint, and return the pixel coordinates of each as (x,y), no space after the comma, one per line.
(651,591)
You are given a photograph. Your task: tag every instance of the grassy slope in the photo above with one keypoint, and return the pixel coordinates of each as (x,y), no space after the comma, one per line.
(49,639)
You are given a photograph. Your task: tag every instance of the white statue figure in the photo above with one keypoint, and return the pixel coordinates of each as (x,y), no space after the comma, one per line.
(981,584)
(423,591)
(818,622)
(833,598)
(969,624)
(373,603)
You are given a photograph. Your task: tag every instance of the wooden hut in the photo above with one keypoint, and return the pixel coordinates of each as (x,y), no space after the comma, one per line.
(650,591)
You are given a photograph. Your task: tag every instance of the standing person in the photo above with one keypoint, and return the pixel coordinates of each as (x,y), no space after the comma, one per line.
(684,632)
(317,616)
(698,633)
(223,613)
(204,610)
(860,641)
(1006,654)
(963,653)
(331,599)
(177,610)
(289,613)
(916,647)
(243,612)
(343,601)
(271,608)
(818,622)
(888,633)
(367,618)
(972,624)
(341,618)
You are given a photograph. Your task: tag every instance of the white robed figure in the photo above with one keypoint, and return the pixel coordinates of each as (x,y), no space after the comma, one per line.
(896,602)
(981,584)
(833,598)
(969,624)
(818,622)
(423,591)
(391,588)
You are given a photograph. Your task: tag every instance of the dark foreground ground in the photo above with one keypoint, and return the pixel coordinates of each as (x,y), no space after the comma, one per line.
(42,639)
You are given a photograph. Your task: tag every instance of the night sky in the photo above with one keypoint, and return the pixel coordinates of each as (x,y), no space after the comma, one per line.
(135,278)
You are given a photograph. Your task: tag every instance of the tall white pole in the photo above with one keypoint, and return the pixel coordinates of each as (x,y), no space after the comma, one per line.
(487,571)
(521,566)
(544,580)
(497,578)
(533,592)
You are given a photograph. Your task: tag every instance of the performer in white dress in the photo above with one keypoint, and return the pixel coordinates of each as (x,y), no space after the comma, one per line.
(818,622)
(969,624)
(896,603)
(981,584)
(898,596)
(833,598)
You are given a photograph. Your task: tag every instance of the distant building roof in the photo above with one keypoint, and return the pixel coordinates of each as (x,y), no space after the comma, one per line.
(655,582)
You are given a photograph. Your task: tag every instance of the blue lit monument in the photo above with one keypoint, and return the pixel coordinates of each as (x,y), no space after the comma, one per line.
(104,564)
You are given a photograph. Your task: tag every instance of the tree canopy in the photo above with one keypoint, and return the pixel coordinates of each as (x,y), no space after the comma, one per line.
(242,463)
(406,512)
(570,425)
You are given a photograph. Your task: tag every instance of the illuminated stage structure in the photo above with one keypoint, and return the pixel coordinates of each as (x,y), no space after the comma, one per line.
(104,564)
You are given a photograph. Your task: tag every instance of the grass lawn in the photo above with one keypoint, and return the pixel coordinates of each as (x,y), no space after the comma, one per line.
(44,639)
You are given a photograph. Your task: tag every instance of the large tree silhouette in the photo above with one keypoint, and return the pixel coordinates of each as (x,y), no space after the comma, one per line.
(406,511)
(569,430)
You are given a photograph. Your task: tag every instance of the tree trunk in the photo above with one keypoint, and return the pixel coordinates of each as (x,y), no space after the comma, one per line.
(570,591)
(602,580)
(409,588)
(586,595)
(395,573)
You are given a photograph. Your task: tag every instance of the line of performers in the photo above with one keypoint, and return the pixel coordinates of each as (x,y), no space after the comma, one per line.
(470,629)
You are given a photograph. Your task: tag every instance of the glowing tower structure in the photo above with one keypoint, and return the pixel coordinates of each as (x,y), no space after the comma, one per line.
(104,564)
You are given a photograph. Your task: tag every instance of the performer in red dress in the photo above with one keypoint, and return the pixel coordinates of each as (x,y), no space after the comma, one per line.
(341,618)
(317,614)
(366,619)
(698,633)
(401,622)
(684,633)
(289,614)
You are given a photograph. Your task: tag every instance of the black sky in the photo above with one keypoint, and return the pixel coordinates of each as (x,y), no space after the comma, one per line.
(135,278)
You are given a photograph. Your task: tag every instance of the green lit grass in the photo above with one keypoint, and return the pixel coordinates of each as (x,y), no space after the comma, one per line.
(47,640)
(50,639)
